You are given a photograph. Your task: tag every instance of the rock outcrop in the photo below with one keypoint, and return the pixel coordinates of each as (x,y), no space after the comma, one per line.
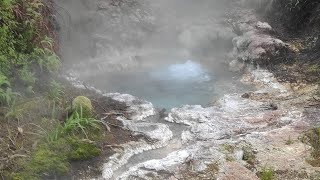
(255,45)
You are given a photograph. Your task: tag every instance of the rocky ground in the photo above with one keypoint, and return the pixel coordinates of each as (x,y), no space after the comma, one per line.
(241,136)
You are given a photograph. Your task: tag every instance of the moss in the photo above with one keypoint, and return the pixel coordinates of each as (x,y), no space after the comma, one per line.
(44,161)
(82,105)
(82,150)
(52,159)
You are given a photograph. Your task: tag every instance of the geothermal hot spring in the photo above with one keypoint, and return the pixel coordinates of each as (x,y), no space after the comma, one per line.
(170,53)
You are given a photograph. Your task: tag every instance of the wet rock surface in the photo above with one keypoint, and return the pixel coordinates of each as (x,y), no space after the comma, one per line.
(240,135)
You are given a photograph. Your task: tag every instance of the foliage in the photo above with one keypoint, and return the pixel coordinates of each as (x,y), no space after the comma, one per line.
(83,104)
(23,40)
(4,81)
(55,134)
(27,76)
(77,122)
(267,174)
(55,91)
(6,94)
(7,97)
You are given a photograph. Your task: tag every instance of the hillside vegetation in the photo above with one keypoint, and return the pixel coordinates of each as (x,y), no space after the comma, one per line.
(41,134)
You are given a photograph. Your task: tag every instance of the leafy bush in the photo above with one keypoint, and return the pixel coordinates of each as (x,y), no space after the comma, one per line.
(23,39)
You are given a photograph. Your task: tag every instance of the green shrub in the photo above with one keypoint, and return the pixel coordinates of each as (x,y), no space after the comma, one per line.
(23,40)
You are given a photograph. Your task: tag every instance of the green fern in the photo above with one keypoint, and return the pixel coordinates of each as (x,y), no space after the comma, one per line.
(56,91)
(7,96)
(4,81)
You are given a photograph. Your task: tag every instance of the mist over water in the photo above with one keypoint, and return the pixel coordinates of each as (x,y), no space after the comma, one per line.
(170,52)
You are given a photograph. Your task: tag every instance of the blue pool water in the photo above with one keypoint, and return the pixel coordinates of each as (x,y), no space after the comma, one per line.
(169,85)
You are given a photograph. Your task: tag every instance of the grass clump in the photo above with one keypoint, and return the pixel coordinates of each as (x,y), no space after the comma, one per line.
(267,174)
(77,122)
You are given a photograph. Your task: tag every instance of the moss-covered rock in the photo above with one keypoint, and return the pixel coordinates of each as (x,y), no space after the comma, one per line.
(45,160)
(82,150)
(83,106)
(53,159)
